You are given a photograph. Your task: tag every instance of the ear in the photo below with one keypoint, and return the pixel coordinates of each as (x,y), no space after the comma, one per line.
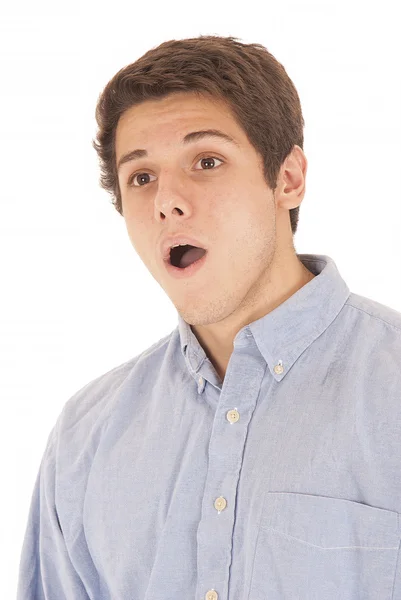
(291,181)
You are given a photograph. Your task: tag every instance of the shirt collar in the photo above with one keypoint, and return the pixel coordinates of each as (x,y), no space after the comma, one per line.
(284,333)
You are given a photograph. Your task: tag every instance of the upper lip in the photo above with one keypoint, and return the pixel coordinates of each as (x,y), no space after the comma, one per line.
(173,240)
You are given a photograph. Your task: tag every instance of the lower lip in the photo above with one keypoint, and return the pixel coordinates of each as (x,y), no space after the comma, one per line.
(188,271)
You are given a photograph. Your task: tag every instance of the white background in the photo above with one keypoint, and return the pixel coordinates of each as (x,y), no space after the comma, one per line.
(75,299)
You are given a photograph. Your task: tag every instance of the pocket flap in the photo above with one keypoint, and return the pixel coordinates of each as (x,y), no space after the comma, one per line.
(330,522)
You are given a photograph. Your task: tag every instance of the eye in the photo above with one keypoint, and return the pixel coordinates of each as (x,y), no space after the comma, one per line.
(132,179)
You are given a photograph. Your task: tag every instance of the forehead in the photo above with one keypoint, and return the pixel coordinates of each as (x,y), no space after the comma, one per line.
(167,120)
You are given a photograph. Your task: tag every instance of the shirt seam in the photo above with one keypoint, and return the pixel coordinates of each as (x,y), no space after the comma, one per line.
(374,316)
(398,557)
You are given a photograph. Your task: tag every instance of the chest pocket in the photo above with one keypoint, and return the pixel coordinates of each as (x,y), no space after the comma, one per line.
(319,548)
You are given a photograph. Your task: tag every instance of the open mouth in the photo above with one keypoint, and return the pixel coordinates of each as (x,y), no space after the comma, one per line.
(184,256)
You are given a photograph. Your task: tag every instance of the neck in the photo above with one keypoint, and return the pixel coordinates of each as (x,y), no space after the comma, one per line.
(285,276)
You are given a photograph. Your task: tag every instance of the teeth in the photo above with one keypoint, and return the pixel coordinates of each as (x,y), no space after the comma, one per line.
(179,245)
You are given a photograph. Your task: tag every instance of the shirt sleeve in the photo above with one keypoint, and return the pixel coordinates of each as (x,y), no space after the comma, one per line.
(45,569)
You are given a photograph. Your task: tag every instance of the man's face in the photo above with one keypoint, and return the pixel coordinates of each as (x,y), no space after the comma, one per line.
(227,206)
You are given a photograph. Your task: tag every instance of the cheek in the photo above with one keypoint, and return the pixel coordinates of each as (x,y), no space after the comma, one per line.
(251,232)
(136,234)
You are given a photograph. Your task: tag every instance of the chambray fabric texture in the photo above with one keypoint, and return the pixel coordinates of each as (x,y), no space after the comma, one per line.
(159,482)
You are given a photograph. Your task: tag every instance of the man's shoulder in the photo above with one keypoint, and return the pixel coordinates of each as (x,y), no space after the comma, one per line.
(374,338)
(378,315)
(94,401)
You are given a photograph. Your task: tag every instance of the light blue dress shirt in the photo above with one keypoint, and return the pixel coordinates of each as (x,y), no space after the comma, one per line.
(158,482)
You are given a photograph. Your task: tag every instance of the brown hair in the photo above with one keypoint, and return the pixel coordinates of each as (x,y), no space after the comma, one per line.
(255,85)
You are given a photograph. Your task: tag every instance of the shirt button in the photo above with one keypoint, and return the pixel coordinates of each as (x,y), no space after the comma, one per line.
(211,595)
(279,367)
(232,416)
(220,503)
(200,380)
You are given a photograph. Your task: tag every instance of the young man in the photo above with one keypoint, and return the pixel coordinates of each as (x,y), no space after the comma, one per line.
(255,451)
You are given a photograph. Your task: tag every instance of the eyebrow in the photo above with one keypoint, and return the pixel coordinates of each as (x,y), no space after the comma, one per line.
(193,136)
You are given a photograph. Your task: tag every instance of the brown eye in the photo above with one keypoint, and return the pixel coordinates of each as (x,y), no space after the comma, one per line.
(142,177)
(138,177)
(209,159)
